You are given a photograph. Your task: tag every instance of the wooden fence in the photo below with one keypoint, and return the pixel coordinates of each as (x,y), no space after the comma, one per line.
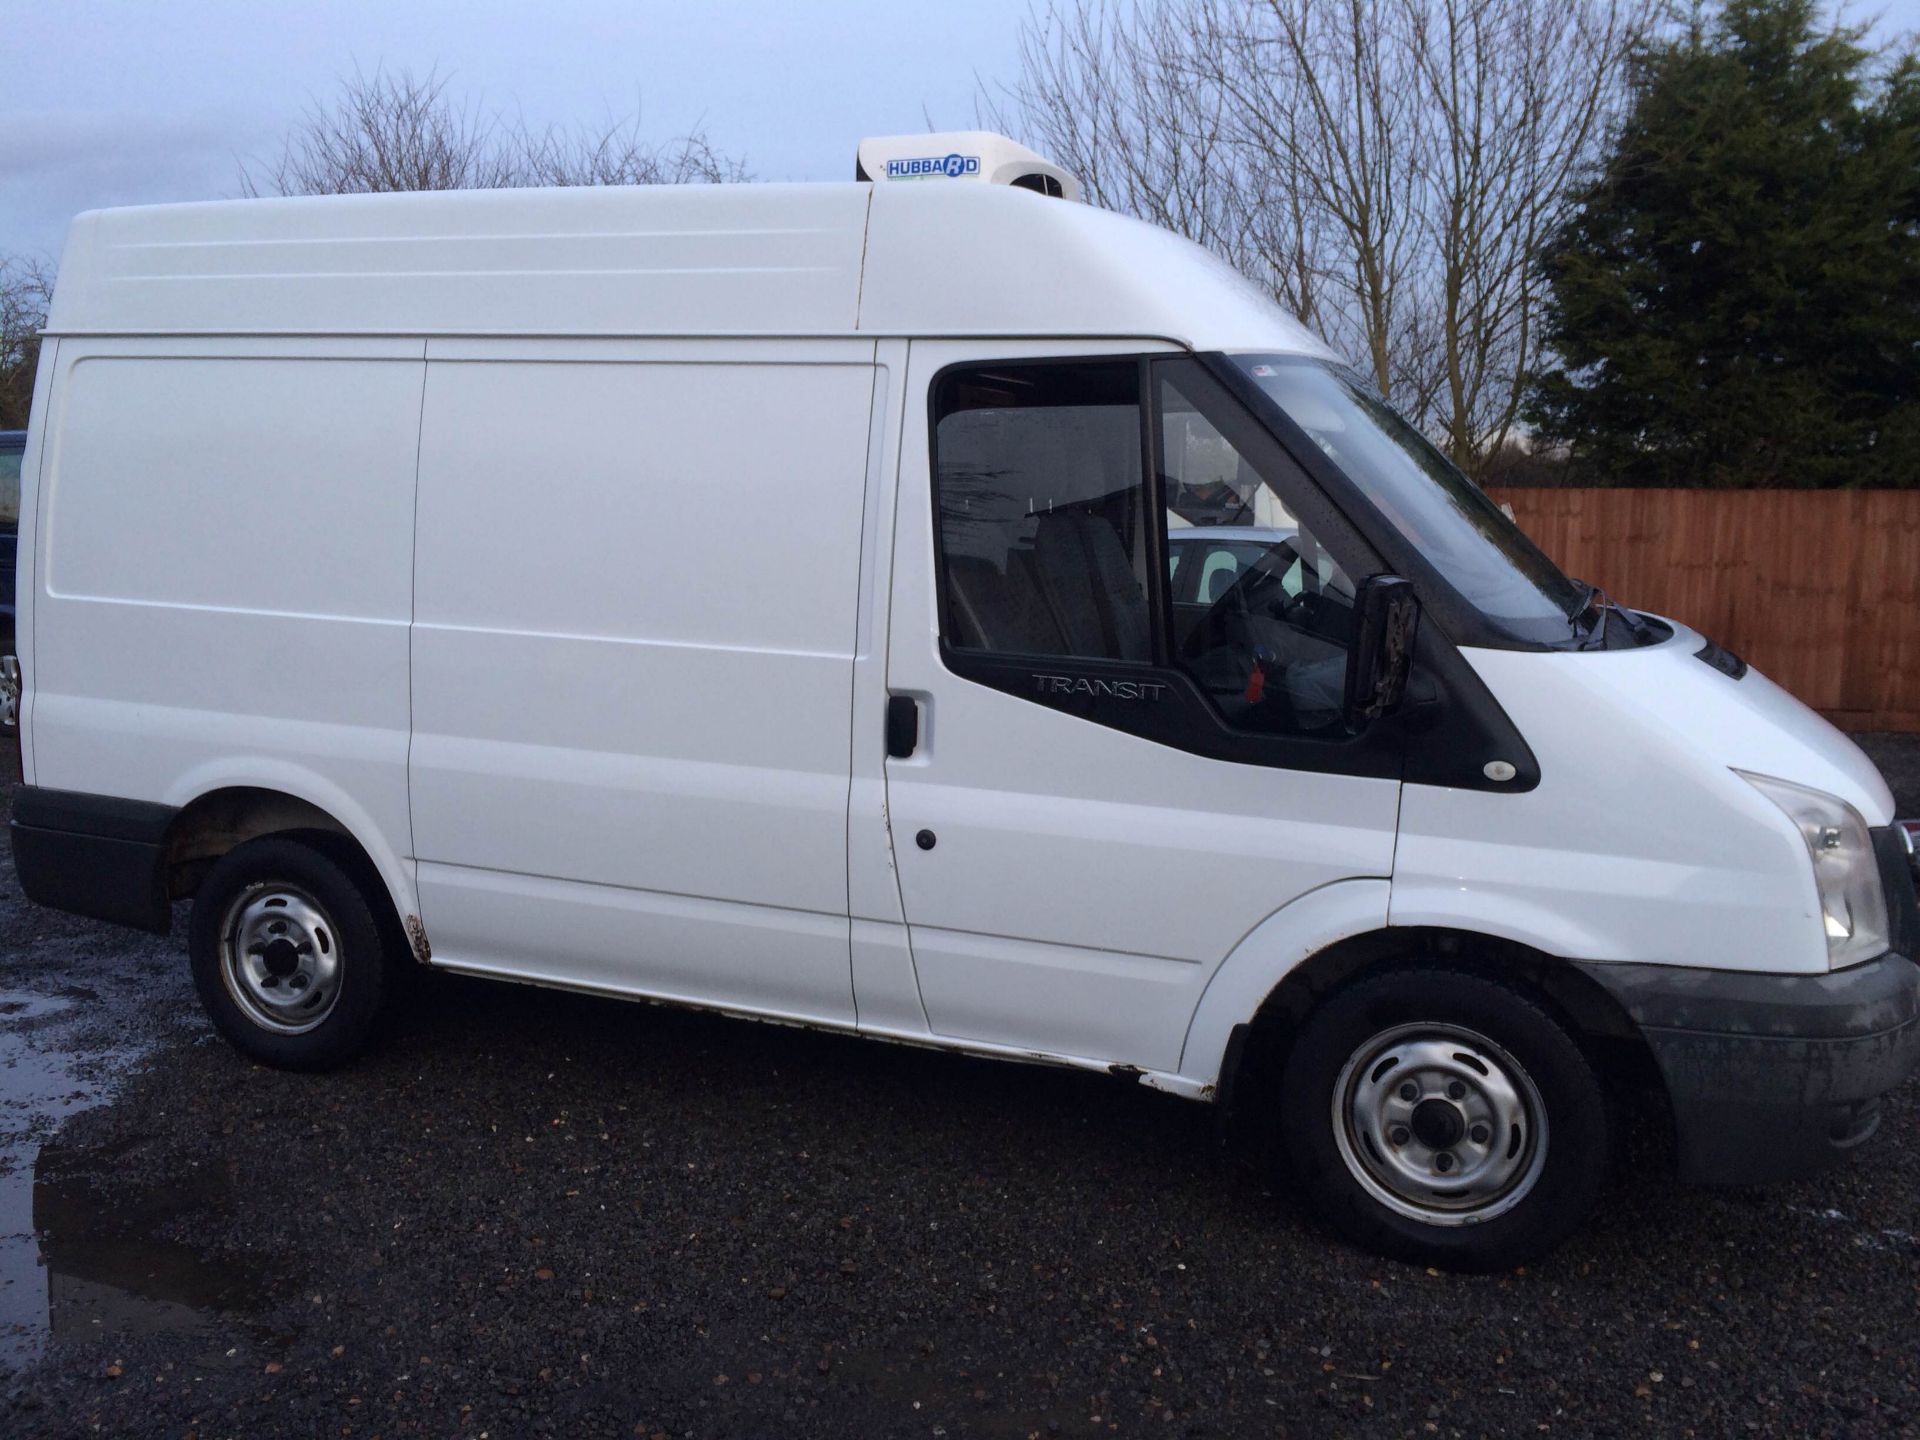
(1818,588)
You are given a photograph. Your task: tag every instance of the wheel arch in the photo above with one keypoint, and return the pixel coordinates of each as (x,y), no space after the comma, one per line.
(1333,936)
(217,820)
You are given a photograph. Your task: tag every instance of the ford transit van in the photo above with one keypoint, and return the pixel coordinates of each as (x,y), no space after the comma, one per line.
(794,600)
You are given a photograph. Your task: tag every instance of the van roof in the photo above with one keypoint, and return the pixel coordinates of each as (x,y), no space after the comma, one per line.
(669,260)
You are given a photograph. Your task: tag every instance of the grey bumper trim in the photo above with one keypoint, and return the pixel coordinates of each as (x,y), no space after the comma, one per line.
(1772,1076)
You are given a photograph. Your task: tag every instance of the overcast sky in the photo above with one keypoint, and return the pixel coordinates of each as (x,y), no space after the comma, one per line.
(124,102)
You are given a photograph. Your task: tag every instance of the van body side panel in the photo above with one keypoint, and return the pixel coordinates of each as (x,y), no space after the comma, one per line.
(222,576)
(1640,844)
(1085,884)
(26,567)
(632,668)
(1314,922)
(575,260)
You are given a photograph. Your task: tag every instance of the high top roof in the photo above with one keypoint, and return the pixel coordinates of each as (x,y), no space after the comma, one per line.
(834,259)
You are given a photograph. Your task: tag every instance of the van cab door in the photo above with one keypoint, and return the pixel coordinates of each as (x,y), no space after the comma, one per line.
(1109,789)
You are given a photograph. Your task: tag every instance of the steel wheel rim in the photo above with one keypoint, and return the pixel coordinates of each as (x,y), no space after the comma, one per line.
(1439,1124)
(280,958)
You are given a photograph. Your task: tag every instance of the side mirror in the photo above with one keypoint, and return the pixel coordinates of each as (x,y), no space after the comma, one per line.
(1385,615)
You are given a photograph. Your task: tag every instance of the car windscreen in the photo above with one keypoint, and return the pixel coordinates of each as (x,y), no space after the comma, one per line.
(1467,538)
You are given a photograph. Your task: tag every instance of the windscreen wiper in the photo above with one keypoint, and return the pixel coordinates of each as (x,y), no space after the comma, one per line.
(1593,598)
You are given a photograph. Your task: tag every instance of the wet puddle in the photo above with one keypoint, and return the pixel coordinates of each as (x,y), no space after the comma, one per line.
(82,1247)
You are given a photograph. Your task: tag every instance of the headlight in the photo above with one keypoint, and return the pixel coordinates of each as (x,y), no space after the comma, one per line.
(1853,905)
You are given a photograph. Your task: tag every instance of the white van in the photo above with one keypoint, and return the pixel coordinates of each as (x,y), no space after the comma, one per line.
(770,598)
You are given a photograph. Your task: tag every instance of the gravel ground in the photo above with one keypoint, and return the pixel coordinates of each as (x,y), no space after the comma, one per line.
(531,1213)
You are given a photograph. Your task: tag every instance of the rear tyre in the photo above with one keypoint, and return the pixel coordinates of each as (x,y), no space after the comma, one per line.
(1444,1119)
(290,961)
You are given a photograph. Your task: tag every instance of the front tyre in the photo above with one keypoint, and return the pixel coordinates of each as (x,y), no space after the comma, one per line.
(1445,1119)
(290,963)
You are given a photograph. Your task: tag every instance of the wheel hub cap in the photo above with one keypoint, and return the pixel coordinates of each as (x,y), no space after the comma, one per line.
(1439,1124)
(280,958)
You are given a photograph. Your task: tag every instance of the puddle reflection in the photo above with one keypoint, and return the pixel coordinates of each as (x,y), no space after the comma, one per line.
(82,1251)
(106,1268)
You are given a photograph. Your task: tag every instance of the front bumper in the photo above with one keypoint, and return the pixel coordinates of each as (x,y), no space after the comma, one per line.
(1771,1077)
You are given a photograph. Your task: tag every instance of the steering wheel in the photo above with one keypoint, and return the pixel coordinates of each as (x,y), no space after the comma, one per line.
(1260,588)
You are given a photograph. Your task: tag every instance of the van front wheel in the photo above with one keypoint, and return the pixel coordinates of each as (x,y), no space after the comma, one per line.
(288,958)
(1445,1119)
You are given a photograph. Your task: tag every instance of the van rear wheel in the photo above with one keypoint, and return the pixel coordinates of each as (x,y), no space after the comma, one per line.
(289,960)
(1444,1118)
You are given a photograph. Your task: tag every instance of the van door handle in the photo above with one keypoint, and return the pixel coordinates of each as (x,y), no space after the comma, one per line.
(903,726)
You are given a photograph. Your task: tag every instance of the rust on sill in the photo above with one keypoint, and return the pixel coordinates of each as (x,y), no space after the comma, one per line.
(417,938)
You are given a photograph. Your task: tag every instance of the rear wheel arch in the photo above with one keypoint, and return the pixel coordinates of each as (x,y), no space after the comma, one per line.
(213,824)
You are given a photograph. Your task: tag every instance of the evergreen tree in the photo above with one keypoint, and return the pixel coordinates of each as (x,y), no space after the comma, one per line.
(1735,300)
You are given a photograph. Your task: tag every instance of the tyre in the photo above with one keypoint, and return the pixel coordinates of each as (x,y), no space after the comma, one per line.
(290,960)
(1445,1119)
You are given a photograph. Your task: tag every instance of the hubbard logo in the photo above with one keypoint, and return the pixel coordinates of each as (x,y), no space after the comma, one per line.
(953,167)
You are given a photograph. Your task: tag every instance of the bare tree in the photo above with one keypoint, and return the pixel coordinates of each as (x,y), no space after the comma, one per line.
(1107,90)
(386,131)
(1521,91)
(1325,102)
(26,289)
(618,154)
(1386,168)
(396,131)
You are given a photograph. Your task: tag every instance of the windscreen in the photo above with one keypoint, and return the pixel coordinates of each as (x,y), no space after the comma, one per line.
(1443,514)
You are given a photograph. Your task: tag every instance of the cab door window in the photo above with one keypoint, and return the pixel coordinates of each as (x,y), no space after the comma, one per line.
(1134,512)
(1044,526)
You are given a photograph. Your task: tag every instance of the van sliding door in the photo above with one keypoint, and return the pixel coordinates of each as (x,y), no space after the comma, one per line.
(636,581)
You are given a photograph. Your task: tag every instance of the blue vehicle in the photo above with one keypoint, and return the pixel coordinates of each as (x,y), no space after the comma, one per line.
(13,444)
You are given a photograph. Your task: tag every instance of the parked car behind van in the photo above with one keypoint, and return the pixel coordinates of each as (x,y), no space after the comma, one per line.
(928,608)
(12,444)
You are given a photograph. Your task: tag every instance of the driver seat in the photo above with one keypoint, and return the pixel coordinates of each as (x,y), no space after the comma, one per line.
(1088,584)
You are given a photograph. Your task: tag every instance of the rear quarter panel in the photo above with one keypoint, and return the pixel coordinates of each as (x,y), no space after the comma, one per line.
(221,582)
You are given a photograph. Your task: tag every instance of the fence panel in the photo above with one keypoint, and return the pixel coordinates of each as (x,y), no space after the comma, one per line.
(1818,588)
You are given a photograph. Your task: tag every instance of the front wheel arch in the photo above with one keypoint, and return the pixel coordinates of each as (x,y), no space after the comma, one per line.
(1261,1044)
